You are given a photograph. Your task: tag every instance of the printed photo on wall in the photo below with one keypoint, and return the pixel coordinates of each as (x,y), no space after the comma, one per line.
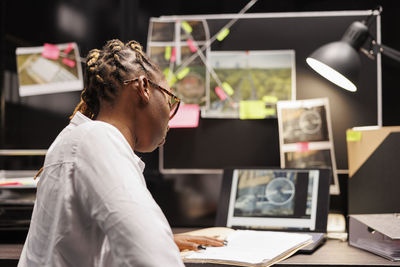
(52,68)
(305,136)
(174,43)
(250,83)
(304,124)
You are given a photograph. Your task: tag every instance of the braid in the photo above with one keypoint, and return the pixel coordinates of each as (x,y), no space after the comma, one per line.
(106,70)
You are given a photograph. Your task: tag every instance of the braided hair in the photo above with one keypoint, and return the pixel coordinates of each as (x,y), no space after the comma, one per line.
(106,70)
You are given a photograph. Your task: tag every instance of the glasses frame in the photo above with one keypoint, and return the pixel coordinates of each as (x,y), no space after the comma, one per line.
(162,89)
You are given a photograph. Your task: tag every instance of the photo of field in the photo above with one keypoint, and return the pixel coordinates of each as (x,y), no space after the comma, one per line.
(252,75)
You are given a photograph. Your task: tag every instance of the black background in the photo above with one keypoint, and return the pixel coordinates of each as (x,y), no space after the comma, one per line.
(27,23)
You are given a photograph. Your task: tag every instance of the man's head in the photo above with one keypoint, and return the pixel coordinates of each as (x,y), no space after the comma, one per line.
(124,86)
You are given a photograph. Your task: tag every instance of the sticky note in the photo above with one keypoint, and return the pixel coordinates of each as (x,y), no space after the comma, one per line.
(173,55)
(220,93)
(270,99)
(302,147)
(270,112)
(186,27)
(191,45)
(353,136)
(167,53)
(69,48)
(169,76)
(180,75)
(186,117)
(51,51)
(222,34)
(227,88)
(252,109)
(68,62)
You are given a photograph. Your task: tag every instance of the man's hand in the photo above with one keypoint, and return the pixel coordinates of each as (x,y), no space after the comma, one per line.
(192,242)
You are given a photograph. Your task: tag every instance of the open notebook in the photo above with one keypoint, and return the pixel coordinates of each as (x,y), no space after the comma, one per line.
(289,200)
(247,247)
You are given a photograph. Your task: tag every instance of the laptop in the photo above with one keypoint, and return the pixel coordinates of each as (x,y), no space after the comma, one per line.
(275,199)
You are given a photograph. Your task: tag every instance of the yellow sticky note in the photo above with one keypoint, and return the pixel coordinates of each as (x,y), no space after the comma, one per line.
(167,54)
(270,112)
(183,73)
(228,88)
(353,136)
(252,109)
(222,34)
(172,80)
(186,27)
(270,99)
(169,76)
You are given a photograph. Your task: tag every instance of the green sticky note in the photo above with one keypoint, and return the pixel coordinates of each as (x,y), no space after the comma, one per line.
(172,80)
(166,73)
(186,27)
(353,136)
(222,34)
(183,73)
(270,99)
(270,112)
(228,88)
(169,76)
(167,54)
(252,109)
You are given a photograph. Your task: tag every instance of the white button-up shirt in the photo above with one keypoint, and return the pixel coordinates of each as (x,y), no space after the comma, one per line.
(92,206)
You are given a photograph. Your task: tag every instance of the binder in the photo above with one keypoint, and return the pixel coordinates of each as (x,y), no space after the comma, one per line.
(376,233)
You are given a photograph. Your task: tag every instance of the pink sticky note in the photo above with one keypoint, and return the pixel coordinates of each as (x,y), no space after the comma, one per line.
(191,45)
(173,55)
(302,147)
(186,117)
(69,48)
(220,93)
(68,62)
(51,51)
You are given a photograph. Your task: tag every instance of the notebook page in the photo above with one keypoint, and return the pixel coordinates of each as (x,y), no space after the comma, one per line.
(248,246)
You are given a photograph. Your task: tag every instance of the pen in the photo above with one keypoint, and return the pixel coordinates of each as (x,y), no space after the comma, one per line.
(201,247)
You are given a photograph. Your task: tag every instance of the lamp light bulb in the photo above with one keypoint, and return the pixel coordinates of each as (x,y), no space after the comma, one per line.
(331,74)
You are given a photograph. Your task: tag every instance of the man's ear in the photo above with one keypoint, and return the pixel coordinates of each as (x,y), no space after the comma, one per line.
(143,89)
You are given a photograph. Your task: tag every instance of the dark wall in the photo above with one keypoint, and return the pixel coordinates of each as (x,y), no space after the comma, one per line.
(90,23)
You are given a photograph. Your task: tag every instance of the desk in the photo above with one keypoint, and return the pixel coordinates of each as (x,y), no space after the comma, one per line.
(332,253)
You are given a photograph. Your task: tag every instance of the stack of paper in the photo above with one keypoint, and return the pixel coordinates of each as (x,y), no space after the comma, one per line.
(251,248)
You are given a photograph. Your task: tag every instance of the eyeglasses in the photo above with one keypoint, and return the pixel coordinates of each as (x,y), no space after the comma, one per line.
(174,101)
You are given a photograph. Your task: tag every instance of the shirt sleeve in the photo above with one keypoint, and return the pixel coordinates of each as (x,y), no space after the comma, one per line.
(110,189)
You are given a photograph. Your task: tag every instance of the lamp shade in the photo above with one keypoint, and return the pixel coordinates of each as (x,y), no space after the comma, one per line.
(338,62)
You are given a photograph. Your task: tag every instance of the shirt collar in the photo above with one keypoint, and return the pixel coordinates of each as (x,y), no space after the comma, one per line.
(140,162)
(79,118)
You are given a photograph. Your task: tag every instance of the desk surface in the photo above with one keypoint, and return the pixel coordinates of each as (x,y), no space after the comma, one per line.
(333,253)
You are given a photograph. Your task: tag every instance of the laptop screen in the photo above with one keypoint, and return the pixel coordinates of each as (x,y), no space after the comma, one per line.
(282,199)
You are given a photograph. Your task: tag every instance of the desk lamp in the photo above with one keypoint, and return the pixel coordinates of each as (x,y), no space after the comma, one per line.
(339,61)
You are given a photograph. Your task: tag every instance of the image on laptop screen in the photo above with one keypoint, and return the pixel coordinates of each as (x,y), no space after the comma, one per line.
(274,199)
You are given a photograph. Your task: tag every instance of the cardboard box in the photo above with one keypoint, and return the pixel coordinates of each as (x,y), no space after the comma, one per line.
(374,170)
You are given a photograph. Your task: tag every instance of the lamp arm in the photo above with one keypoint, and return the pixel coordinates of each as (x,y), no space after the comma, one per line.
(387,51)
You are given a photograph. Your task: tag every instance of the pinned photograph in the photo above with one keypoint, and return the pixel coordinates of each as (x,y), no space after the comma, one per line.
(252,82)
(305,136)
(304,124)
(49,69)
(162,31)
(308,159)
